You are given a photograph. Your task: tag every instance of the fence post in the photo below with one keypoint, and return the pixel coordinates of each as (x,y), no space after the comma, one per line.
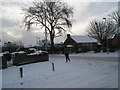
(53,67)
(21,72)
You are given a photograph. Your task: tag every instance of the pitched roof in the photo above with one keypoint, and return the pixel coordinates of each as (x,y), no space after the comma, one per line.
(83,39)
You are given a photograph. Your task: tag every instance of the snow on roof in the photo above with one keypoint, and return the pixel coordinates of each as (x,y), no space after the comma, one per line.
(83,39)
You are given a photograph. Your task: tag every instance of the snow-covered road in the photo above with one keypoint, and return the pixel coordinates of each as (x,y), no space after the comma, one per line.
(79,73)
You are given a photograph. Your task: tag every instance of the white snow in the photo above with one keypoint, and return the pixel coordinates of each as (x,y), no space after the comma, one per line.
(20,52)
(1,54)
(79,73)
(32,49)
(38,52)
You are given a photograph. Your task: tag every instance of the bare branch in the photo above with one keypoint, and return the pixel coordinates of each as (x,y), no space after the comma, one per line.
(55,16)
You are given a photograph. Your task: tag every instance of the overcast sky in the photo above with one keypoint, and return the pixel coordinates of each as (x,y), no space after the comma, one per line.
(84,12)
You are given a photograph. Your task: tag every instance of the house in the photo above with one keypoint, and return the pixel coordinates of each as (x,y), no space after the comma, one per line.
(115,42)
(80,43)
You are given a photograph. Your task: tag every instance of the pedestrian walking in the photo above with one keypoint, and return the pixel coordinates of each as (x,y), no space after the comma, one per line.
(66,52)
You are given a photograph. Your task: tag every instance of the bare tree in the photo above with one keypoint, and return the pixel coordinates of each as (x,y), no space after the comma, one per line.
(55,16)
(116,17)
(101,30)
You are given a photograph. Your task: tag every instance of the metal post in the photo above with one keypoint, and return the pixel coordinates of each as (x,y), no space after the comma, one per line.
(102,45)
(38,42)
(45,32)
(21,72)
(107,47)
(107,39)
(102,37)
(53,67)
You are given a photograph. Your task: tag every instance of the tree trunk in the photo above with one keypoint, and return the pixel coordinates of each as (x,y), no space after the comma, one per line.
(52,41)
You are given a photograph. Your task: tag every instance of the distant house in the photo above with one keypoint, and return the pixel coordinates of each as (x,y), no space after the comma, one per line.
(115,42)
(80,43)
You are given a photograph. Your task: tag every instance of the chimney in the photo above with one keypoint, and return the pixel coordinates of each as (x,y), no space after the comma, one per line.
(68,35)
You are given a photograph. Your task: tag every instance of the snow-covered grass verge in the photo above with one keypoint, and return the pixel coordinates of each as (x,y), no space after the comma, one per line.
(79,73)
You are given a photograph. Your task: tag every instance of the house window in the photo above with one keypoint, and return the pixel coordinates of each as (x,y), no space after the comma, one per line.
(86,45)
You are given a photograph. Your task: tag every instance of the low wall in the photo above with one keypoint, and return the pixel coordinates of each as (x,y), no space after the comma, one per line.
(3,61)
(21,59)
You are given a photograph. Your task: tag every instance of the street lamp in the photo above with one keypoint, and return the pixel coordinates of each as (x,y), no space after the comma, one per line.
(107,37)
